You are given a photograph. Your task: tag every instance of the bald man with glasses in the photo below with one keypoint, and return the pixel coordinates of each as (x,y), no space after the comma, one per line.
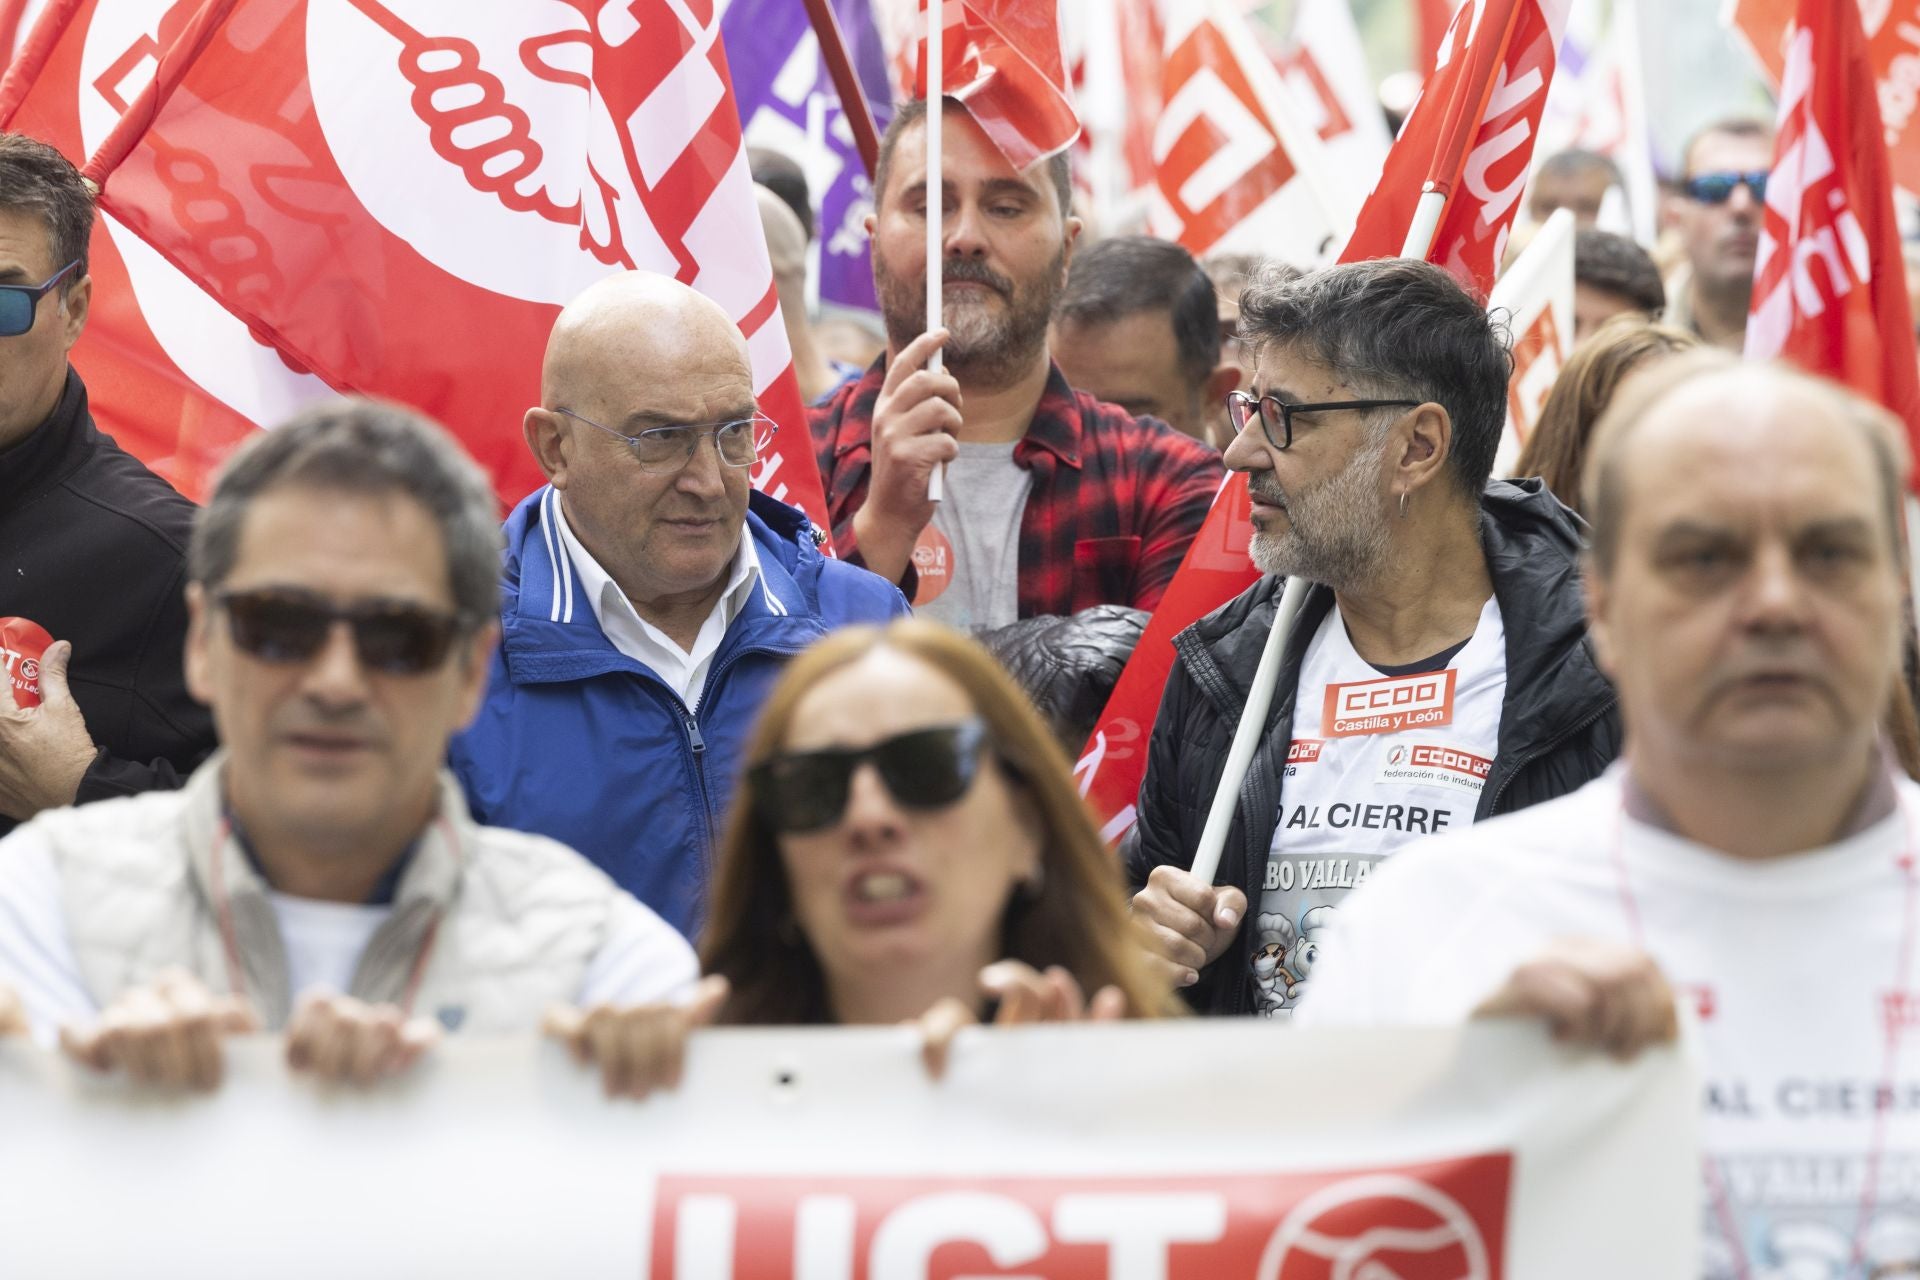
(651,595)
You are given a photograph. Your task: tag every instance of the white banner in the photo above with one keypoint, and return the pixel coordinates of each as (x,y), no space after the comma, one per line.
(1136,1153)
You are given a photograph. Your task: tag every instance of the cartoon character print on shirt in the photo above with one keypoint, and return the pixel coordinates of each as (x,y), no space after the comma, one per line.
(1284,958)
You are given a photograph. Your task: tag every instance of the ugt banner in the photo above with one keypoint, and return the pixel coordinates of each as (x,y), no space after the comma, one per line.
(1130,1152)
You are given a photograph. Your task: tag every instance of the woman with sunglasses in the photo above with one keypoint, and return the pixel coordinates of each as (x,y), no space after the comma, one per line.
(910,845)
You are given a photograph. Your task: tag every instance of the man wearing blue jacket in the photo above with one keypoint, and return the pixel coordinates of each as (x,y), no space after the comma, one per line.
(650,596)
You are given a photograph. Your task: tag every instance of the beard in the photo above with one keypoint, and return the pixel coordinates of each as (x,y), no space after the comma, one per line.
(1336,534)
(988,344)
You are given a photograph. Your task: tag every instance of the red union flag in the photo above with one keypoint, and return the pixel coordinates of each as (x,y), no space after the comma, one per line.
(1828,292)
(1002,59)
(1502,112)
(1893,53)
(178,393)
(1486,192)
(1235,166)
(401,193)
(1439,1221)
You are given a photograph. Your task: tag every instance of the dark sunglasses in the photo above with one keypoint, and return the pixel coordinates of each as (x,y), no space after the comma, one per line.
(282,626)
(1717,188)
(20,303)
(925,769)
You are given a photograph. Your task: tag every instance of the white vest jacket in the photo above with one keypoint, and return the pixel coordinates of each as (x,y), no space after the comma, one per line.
(489,927)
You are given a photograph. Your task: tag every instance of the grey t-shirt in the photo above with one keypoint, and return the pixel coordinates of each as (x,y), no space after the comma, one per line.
(969,557)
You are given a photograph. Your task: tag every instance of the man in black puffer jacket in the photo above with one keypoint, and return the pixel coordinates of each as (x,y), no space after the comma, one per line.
(92,543)
(1441,673)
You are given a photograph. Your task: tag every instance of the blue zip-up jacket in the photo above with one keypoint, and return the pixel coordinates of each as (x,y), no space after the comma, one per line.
(579,742)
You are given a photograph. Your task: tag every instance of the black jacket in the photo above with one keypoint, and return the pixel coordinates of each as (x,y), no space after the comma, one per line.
(1559,725)
(93,548)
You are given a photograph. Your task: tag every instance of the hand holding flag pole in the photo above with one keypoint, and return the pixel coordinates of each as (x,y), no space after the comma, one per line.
(1466,110)
(936,19)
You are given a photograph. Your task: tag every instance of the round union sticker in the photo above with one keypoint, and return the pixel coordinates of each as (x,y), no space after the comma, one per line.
(21,644)
(933,561)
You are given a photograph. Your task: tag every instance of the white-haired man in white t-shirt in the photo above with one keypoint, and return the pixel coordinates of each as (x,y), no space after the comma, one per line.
(1753,855)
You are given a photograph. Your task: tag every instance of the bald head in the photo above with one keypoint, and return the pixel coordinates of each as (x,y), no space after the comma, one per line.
(1710,402)
(641,327)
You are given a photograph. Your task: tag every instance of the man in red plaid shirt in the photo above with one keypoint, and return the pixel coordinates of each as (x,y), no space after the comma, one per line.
(1054,501)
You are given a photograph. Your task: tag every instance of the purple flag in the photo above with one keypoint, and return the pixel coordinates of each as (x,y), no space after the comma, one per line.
(787,103)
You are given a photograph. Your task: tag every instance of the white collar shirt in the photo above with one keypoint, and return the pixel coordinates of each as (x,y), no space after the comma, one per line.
(684,670)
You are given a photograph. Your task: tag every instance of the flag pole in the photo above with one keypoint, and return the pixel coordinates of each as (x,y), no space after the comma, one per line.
(936,23)
(846,81)
(1465,111)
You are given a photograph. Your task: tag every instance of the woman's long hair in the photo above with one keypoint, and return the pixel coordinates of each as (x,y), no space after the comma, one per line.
(1077,918)
(1557,449)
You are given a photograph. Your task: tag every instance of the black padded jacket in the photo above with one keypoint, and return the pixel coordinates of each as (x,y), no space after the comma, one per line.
(93,548)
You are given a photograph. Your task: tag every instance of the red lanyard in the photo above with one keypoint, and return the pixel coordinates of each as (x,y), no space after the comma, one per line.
(1723,1207)
(230,940)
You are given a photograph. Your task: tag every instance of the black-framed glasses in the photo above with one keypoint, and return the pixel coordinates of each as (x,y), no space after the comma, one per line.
(661,451)
(20,303)
(283,626)
(1276,415)
(1717,187)
(804,791)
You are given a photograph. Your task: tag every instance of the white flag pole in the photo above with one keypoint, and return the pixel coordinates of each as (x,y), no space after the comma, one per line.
(1253,719)
(936,24)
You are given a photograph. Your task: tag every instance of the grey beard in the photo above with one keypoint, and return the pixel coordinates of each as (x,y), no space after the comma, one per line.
(1335,533)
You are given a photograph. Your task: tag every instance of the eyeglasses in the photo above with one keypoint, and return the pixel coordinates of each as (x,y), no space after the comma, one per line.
(661,451)
(1717,188)
(280,626)
(925,769)
(20,303)
(1276,415)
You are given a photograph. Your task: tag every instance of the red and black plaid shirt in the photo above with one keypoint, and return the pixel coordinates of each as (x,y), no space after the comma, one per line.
(1115,498)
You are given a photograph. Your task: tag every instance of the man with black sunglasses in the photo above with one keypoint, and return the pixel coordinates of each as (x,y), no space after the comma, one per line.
(1718,212)
(652,594)
(92,543)
(1439,670)
(322,874)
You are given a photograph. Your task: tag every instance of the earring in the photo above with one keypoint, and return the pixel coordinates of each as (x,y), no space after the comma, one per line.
(1403,503)
(1033,885)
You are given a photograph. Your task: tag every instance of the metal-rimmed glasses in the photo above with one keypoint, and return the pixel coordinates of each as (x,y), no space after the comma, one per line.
(661,451)
(1276,415)
(20,303)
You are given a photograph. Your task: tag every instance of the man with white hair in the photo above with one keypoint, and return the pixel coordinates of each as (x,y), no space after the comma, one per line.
(1755,851)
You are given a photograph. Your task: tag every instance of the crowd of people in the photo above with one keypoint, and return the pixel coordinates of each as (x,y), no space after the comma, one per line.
(338,758)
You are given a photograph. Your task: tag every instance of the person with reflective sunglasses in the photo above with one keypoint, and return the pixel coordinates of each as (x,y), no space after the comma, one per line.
(1717,214)
(92,542)
(321,875)
(651,594)
(1438,670)
(908,845)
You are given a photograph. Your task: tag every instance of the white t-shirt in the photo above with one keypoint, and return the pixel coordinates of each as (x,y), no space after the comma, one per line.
(323,940)
(684,670)
(1790,965)
(1376,761)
